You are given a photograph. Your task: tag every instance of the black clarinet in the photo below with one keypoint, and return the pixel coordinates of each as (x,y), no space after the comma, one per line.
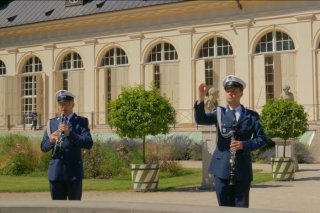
(57,150)
(232,160)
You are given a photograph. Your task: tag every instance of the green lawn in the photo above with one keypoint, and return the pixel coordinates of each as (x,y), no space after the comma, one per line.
(192,177)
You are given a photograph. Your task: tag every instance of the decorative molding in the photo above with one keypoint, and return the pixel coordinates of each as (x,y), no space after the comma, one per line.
(186,30)
(305,17)
(90,41)
(244,23)
(12,50)
(136,36)
(49,46)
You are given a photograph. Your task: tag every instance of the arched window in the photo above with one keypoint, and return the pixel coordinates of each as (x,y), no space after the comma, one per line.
(31,86)
(71,61)
(33,64)
(160,73)
(274,42)
(3,70)
(215,47)
(163,52)
(115,56)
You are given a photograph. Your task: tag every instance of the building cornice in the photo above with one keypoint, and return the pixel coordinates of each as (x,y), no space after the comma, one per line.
(305,17)
(49,46)
(136,36)
(90,41)
(116,17)
(186,30)
(12,50)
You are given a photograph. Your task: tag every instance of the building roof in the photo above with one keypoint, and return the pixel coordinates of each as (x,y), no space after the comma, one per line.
(20,12)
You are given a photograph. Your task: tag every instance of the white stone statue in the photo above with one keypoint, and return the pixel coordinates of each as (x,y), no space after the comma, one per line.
(211,101)
(286,94)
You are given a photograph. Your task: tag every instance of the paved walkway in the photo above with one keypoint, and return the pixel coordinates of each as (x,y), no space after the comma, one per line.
(301,195)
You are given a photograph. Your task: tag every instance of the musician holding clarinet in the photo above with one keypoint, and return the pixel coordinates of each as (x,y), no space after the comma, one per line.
(65,136)
(238,133)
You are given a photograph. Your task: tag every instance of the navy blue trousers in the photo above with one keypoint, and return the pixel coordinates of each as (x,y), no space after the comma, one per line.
(235,196)
(66,190)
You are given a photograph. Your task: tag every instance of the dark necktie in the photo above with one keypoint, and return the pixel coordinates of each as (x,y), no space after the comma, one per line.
(234,122)
(66,120)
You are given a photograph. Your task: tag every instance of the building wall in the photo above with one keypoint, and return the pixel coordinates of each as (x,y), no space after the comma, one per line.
(186,26)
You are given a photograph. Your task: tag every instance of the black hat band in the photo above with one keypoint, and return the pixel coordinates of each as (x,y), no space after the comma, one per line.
(233,84)
(64,98)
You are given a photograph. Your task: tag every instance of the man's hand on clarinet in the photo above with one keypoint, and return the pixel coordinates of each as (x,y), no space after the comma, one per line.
(236,145)
(64,128)
(53,137)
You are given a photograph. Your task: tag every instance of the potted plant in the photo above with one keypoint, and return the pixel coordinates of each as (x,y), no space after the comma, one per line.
(138,113)
(284,119)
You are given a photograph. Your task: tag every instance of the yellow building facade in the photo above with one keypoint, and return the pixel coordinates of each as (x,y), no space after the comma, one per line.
(177,45)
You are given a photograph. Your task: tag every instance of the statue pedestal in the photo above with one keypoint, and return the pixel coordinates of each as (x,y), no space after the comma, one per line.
(208,147)
(279,146)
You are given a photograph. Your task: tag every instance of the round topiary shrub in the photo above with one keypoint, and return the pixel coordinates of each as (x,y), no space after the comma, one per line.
(284,119)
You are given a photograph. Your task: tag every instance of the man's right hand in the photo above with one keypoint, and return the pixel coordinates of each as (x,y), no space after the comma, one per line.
(53,137)
(202,90)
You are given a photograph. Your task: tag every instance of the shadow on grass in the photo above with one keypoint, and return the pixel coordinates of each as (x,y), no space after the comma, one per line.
(263,186)
(185,189)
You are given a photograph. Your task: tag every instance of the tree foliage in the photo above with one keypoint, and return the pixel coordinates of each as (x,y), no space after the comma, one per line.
(138,113)
(284,119)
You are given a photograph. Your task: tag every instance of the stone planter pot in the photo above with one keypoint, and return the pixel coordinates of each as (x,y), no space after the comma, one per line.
(283,168)
(290,153)
(145,177)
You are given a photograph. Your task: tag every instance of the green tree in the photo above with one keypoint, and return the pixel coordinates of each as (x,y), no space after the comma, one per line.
(284,119)
(138,113)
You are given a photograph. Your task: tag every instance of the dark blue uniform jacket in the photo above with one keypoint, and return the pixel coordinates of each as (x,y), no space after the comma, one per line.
(248,131)
(69,166)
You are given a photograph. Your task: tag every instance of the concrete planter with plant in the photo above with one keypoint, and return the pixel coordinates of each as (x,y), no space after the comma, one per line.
(135,114)
(287,120)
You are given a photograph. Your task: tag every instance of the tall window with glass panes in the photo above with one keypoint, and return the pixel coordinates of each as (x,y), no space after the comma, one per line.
(270,44)
(29,87)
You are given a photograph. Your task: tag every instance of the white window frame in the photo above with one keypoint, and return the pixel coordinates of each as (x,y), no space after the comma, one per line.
(29,86)
(160,52)
(156,75)
(210,48)
(114,57)
(208,73)
(3,70)
(71,61)
(269,83)
(271,39)
(29,96)
(33,64)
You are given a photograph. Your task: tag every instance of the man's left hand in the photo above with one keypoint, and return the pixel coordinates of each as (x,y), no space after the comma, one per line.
(236,145)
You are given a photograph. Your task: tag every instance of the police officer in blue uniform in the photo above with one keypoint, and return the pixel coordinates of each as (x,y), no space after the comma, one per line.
(65,136)
(238,131)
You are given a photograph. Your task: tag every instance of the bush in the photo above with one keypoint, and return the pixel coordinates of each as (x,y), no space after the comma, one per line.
(284,119)
(182,147)
(104,162)
(16,155)
(264,154)
(303,155)
(19,155)
(137,113)
(173,168)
